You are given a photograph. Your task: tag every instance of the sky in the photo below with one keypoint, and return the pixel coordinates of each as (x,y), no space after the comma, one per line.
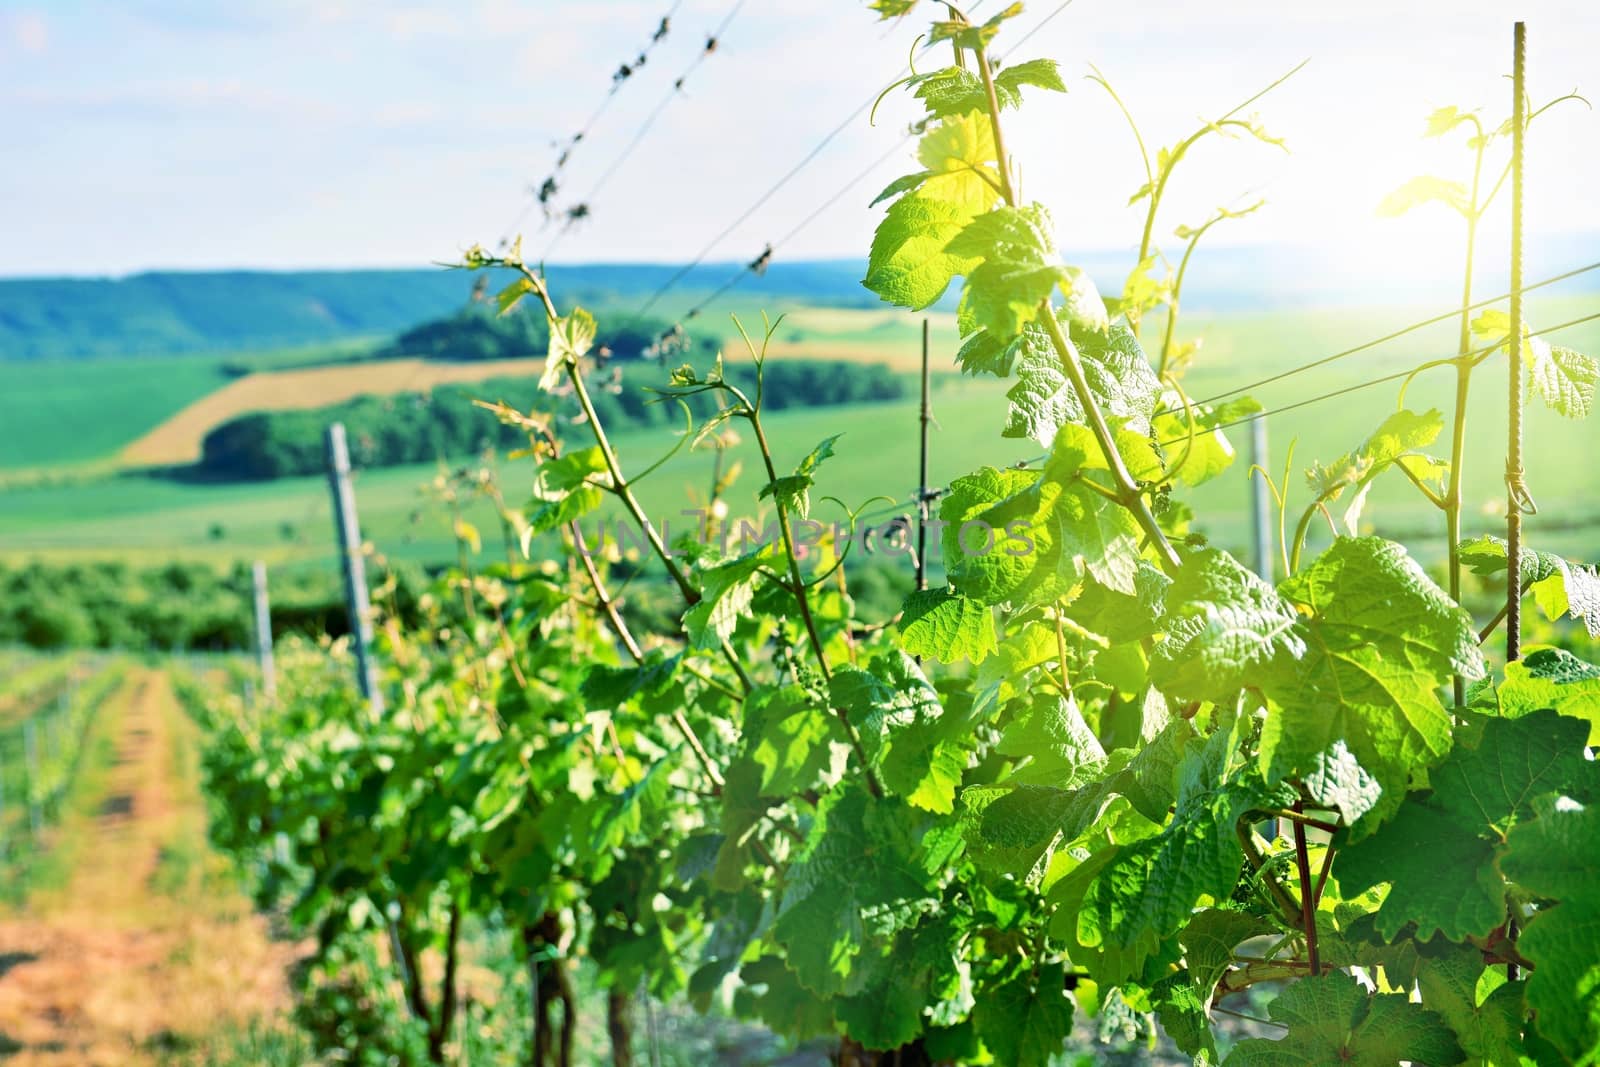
(146,134)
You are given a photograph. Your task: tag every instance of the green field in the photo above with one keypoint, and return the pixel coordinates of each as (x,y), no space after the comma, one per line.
(288,521)
(70,413)
(55,412)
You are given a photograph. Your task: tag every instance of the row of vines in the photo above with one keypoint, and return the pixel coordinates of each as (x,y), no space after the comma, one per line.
(1114,775)
(47,706)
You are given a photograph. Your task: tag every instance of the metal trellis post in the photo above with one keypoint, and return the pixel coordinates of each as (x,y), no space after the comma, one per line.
(1517,499)
(348,528)
(263,617)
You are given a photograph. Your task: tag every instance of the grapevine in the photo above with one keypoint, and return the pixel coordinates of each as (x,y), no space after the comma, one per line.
(1117,774)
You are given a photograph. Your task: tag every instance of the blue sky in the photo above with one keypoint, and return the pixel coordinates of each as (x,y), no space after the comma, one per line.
(300,133)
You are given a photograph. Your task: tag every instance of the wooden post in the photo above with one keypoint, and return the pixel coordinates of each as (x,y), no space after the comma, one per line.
(348,528)
(263,616)
(1260,502)
(924,418)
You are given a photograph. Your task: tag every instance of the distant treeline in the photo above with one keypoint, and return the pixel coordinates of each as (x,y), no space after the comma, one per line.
(477,332)
(421,427)
(178,606)
(220,311)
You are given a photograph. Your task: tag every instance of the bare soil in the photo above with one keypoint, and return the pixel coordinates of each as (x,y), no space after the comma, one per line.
(149,947)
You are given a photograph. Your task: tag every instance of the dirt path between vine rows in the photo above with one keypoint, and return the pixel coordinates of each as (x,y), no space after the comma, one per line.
(140,949)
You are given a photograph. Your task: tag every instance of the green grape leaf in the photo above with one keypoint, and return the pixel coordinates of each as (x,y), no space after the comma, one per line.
(918,749)
(1575,591)
(793,492)
(1010,827)
(969,36)
(608,688)
(1148,888)
(1025,1022)
(1425,190)
(1053,737)
(743,807)
(1553,856)
(1486,555)
(1208,453)
(957,91)
(909,265)
(570,339)
(946,626)
(1044,400)
(1018,266)
(903,184)
(1010,671)
(1492,324)
(725,594)
(954,91)
(967,498)
(1033,546)
(978,565)
(959,153)
(1120,617)
(983,353)
(1398,437)
(1084,307)
(1444,120)
(1331,1019)
(1552,678)
(1380,639)
(783,1004)
(564,489)
(1042,73)
(791,738)
(1223,624)
(1490,1031)
(1183,1017)
(921,968)
(851,886)
(1560,377)
(1479,793)
(512,295)
(1560,587)
(1209,942)
(1183,1000)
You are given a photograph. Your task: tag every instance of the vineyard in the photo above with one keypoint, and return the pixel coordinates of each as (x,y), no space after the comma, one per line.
(630,784)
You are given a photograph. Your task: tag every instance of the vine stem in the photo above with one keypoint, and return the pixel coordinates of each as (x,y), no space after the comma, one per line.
(795,578)
(1458,436)
(1288,909)
(1127,491)
(619,626)
(624,490)
(753,414)
(1308,893)
(620,485)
